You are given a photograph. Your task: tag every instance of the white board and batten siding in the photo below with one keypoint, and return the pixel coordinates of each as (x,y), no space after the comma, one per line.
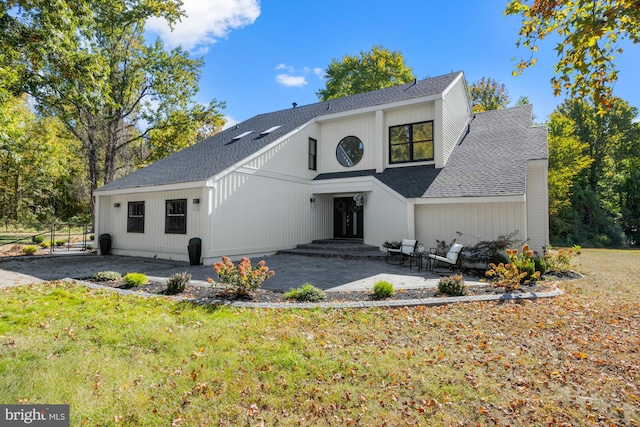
(264,205)
(455,115)
(154,242)
(385,216)
(537,205)
(332,132)
(486,220)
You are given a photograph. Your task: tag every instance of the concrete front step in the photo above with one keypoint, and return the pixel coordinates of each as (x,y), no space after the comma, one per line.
(345,254)
(342,247)
(338,248)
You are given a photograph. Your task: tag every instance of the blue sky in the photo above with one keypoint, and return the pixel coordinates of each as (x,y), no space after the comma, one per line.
(262,56)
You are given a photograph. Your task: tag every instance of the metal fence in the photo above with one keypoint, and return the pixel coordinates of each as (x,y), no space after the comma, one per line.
(60,236)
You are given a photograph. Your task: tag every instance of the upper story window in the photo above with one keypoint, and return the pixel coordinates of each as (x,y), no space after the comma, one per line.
(349,151)
(176,217)
(135,217)
(411,143)
(313,154)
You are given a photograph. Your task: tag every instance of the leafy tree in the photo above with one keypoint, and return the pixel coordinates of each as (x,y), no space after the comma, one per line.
(523,100)
(604,133)
(39,163)
(87,63)
(377,69)
(590,34)
(567,159)
(488,94)
(601,205)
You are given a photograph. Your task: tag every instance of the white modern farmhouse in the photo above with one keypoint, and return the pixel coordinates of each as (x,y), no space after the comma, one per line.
(410,161)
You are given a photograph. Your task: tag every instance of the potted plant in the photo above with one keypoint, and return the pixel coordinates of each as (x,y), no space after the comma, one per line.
(195,250)
(105,244)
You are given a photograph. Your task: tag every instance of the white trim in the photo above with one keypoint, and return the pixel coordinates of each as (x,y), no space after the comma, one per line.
(342,185)
(374,108)
(274,175)
(538,162)
(152,188)
(515,198)
(453,83)
(352,185)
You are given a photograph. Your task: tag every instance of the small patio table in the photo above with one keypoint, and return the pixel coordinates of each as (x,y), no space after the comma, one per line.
(421,258)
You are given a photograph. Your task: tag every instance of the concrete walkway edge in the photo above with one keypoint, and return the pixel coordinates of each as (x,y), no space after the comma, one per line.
(427,302)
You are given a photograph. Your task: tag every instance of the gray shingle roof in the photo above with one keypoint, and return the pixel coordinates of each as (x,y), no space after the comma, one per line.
(205,159)
(491,159)
(409,181)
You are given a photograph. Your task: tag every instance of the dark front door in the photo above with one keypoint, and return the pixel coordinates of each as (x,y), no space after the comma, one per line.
(348,219)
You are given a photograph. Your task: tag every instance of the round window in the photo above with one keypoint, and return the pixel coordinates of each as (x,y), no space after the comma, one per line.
(349,151)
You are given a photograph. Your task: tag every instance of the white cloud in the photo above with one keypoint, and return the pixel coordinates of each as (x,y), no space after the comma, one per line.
(286,67)
(296,76)
(289,80)
(206,21)
(230,122)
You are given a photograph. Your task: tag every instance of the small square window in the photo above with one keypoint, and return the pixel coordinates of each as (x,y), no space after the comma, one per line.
(135,217)
(176,217)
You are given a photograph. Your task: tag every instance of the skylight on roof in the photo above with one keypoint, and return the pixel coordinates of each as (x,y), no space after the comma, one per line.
(271,129)
(242,135)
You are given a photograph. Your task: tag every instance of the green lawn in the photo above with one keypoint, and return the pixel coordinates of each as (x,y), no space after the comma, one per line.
(572,360)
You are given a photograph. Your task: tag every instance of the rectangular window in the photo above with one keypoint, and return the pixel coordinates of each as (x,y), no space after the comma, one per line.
(411,143)
(176,217)
(135,217)
(313,147)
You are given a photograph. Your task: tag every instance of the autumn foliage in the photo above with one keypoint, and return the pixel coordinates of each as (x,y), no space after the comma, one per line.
(242,279)
(520,269)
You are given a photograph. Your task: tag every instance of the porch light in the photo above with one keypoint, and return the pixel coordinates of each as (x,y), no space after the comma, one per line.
(196,201)
(116,205)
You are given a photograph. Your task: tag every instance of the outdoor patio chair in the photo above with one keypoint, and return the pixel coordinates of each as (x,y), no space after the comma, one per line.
(451,259)
(407,248)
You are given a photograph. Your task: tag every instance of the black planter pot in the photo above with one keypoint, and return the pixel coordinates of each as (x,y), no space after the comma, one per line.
(194,254)
(195,250)
(105,244)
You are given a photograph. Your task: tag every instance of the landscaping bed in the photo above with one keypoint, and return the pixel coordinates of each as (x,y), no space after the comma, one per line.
(210,294)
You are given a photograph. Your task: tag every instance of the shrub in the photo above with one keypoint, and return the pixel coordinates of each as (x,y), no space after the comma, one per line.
(492,251)
(383,289)
(452,285)
(306,292)
(540,264)
(45,245)
(442,247)
(134,279)
(178,282)
(61,242)
(29,250)
(106,276)
(392,245)
(92,236)
(242,279)
(561,259)
(519,270)
(38,239)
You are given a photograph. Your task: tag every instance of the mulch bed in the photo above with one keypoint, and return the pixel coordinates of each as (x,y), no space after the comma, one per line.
(208,295)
